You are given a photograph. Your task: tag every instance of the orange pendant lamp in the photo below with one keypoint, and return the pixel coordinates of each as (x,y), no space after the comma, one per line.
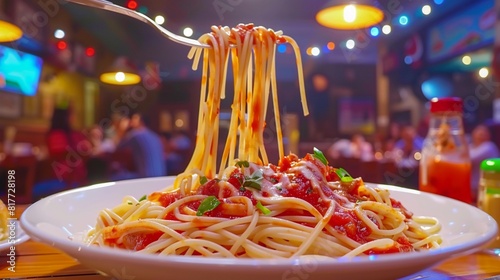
(8,31)
(122,72)
(350,15)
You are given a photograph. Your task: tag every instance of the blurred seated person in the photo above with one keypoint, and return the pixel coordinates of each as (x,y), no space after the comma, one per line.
(145,146)
(66,148)
(100,145)
(97,164)
(177,151)
(481,148)
(406,147)
(357,147)
(410,141)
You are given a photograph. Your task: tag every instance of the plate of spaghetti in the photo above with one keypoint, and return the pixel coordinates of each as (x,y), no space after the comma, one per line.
(239,216)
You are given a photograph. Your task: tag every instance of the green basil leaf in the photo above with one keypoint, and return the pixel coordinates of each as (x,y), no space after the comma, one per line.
(254,184)
(142,198)
(203,180)
(263,208)
(243,163)
(208,204)
(254,181)
(319,155)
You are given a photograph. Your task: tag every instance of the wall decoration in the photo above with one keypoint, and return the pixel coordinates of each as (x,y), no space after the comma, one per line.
(468,30)
(357,115)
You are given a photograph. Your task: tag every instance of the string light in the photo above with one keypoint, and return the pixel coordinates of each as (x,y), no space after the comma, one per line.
(403,20)
(59,34)
(386,29)
(159,19)
(426,10)
(315,51)
(90,51)
(132,5)
(484,72)
(330,46)
(188,32)
(350,44)
(282,48)
(61,45)
(466,60)
(309,51)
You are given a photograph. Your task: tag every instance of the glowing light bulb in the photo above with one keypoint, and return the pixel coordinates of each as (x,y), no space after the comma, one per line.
(282,48)
(350,44)
(160,19)
(484,72)
(61,45)
(179,123)
(120,77)
(330,46)
(315,51)
(403,20)
(350,13)
(309,51)
(188,32)
(59,34)
(132,5)
(386,29)
(466,60)
(426,10)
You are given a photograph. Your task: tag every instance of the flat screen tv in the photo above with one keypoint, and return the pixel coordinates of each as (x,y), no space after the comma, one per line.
(19,71)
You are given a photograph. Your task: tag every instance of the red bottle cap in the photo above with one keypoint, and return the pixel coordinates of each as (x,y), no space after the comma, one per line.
(447,104)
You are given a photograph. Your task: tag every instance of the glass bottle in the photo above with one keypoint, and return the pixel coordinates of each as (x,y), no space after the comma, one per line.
(489,195)
(445,166)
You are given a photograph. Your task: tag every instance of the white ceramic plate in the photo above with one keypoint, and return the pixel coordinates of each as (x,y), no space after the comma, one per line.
(19,237)
(61,218)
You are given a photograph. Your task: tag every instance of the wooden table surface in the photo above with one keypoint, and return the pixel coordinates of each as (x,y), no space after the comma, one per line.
(35,260)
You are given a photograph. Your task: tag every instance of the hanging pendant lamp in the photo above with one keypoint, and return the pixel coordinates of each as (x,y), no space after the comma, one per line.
(8,31)
(122,72)
(350,15)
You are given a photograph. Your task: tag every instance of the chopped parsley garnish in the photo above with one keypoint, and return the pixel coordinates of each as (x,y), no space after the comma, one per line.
(208,204)
(243,163)
(343,175)
(263,208)
(203,180)
(319,155)
(142,198)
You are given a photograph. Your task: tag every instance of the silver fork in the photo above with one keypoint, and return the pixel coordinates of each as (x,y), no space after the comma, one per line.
(106,5)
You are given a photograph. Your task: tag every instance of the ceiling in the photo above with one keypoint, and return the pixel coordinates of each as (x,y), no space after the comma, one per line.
(129,37)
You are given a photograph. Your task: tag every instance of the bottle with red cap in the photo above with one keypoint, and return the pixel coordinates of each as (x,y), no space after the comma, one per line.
(445,166)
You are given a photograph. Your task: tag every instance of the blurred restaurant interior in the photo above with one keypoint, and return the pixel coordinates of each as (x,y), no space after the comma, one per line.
(367,88)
